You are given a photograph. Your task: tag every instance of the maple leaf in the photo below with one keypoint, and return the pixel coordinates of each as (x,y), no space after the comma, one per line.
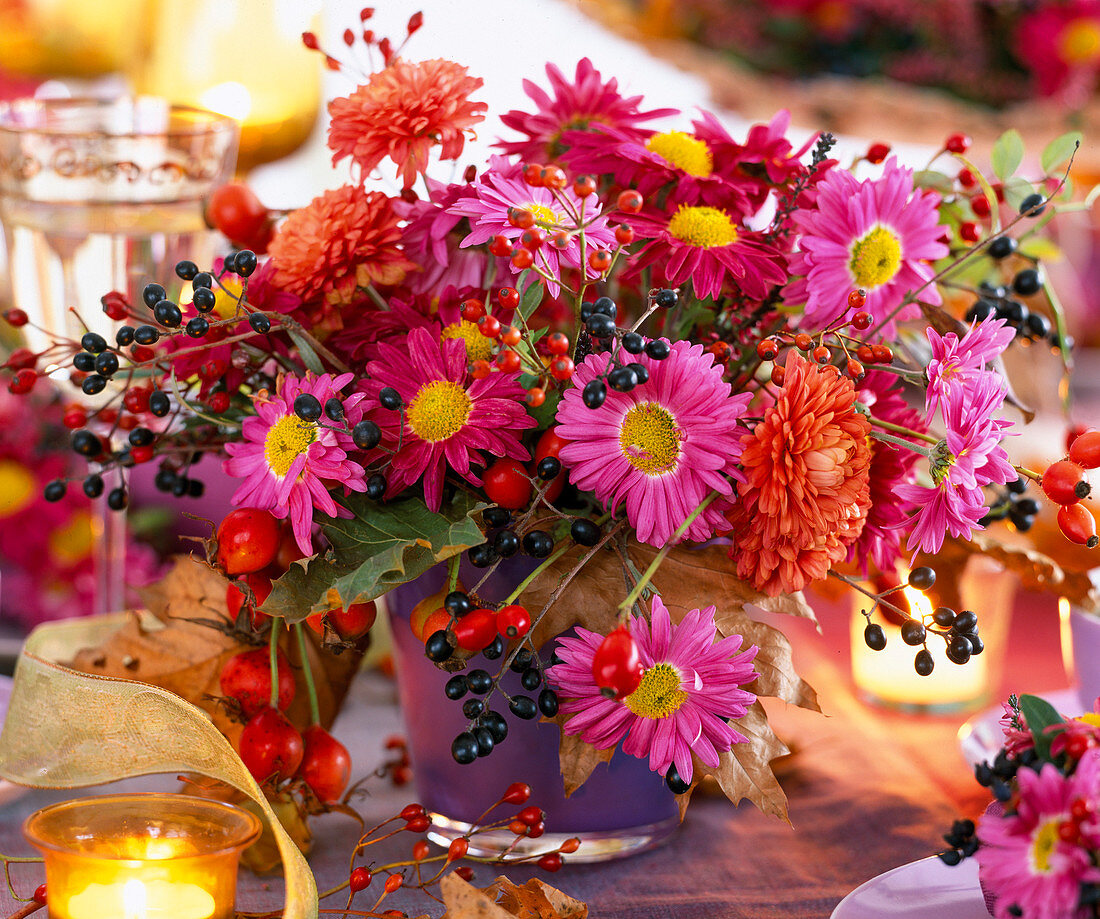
(505,900)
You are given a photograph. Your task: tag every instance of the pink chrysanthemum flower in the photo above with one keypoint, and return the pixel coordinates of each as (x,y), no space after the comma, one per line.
(879,543)
(496,192)
(573,108)
(707,246)
(448,417)
(289,464)
(1060,43)
(1086,727)
(877,235)
(1023,861)
(660,448)
(957,363)
(1014,727)
(692,683)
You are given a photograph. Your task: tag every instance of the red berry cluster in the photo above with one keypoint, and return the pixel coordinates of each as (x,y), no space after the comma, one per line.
(371,41)
(1066,483)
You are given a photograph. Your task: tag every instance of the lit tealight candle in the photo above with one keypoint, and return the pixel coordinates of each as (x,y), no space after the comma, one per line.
(135,899)
(888,677)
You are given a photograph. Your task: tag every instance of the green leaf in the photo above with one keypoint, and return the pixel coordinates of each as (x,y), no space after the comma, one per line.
(1039,715)
(937,181)
(1016,189)
(1008,153)
(530,301)
(1059,150)
(1040,247)
(305,351)
(380,547)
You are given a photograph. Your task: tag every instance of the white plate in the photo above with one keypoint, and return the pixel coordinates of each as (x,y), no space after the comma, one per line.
(981,737)
(927,889)
(8,791)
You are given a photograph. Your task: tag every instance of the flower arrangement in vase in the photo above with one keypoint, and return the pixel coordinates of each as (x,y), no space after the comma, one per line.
(611,389)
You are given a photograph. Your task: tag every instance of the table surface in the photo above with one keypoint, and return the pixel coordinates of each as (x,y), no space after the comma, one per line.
(869,790)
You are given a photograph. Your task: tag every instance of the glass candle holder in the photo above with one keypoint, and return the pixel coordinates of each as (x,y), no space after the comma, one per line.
(141,856)
(888,678)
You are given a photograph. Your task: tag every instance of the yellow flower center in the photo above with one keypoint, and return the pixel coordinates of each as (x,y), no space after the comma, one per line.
(1043,843)
(18,487)
(1079,43)
(73,542)
(1090,718)
(702,226)
(876,258)
(544,216)
(478,347)
(439,410)
(684,151)
(288,439)
(659,694)
(650,439)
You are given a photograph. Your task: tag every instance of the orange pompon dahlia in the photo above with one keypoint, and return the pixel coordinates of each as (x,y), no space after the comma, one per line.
(404,111)
(807,495)
(344,239)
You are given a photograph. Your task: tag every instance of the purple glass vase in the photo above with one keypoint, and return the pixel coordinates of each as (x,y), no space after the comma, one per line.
(623,808)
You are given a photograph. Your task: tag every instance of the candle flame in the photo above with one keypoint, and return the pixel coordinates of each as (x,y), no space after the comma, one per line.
(919,604)
(133,900)
(230,98)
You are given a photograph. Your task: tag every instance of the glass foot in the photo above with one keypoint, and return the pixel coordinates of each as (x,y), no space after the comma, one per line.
(597,846)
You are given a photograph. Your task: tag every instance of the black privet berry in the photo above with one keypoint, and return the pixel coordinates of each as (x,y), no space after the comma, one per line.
(202,279)
(1018,487)
(922,578)
(483,555)
(1027,282)
(334,409)
(538,544)
(522,660)
(923,662)
(167,313)
(106,364)
(84,362)
(366,435)
(152,294)
(165,480)
(485,742)
(523,707)
(195,488)
(186,270)
(966,621)
(181,486)
(93,342)
(980,309)
(1002,247)
(548,703)
(600,325)
(666,298)
(376,486)
(676,784)
(245,262)
(1038,326)
(55,490)
(456,687)
(950,857)
(146,335)
(658,349)
(1033,205)
(472,708)
(438,646)
(93,485)
(197,327)
(605,306)
(594,393)
(495,649)
(159,404)
(229,263)
(86,443)
(124,337)
(389,398)
(641,372)
(117,499)
(307,406)
(633,343)
(531,679)
(497,516)
(457,603)
(1013,311)
(506,543)
(586,310)
(943,616)
(913,632)
(479,682)
(959,650)
(548,468)
(204,299)
(977,646)
(496,725)
(259,323)
(141,437)
(464,748)
(1028,506)
(874,637)
(585,532)
(93,384)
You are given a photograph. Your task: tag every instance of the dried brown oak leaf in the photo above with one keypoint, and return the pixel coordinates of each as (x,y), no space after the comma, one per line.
(505,900)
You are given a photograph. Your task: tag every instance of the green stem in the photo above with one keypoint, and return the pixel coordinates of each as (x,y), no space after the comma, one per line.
(632,597)
(1067,359)
(273,648)
(898,429)
(307,673)
(526,582)
(452,572)
(1029,473)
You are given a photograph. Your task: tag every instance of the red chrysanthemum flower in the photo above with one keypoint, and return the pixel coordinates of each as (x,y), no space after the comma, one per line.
(404,111)
(344,239)
(807,465)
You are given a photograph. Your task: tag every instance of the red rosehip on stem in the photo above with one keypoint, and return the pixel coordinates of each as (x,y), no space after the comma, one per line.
(616,665)
(957,143)
(876,153)
(1064,482)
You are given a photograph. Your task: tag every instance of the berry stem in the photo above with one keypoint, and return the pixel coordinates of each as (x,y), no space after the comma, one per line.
(307,674)
(898,429)
(525,583)
(1029,473)
(899,442)
(452,572)
(1059,313)
(273,649)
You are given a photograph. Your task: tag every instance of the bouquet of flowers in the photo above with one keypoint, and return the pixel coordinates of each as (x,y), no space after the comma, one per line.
(675,373)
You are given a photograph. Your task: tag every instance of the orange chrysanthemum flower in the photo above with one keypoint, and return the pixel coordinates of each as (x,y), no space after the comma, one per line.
(402,113)
(807,495)
(344,239)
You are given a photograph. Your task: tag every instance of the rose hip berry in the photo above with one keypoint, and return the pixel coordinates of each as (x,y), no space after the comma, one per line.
(248,540)
(1064,482)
